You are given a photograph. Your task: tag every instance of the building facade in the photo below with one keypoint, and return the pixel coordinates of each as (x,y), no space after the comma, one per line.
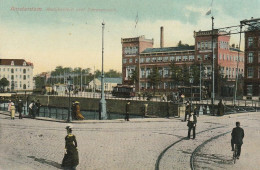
(18,72)
(145,57)
(252,63)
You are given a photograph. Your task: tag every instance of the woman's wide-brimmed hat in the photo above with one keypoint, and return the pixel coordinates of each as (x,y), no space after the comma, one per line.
(76,102)
(68,127)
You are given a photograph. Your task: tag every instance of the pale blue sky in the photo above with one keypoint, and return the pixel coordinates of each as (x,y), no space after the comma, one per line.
(73,38)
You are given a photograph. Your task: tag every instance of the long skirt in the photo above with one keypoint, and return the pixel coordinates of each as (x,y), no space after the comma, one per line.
(71,159)
(12,113)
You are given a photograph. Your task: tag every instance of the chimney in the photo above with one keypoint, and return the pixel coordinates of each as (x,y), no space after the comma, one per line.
(161,40)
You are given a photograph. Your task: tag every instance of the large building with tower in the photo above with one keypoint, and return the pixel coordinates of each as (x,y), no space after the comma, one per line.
(18,72)
(139,53)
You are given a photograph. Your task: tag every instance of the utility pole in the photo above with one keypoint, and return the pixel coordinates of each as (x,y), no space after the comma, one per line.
(103,111)
(200,81)
(213,68)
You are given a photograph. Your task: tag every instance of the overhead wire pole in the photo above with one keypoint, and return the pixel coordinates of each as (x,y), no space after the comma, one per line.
(235,96)
(213,68)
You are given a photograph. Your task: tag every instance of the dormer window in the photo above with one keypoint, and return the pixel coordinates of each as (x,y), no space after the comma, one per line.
(12,63)
(24,63)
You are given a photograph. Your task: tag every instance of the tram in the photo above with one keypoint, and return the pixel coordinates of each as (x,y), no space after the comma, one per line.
(123,91)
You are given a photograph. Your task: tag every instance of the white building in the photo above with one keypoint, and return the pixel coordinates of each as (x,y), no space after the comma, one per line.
(109,83)
(18,72)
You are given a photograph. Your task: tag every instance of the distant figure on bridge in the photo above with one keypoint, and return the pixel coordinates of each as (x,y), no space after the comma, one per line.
(127,108)
(79,116)
(12,110)
(20,108)
(220,108)
(237,138)
(192,124)
(71,155)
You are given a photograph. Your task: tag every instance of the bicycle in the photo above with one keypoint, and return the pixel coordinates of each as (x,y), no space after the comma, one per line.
(235,153)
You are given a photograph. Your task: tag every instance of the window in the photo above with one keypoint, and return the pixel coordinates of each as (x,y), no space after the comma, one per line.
(159,59)
(206,57)
(154,59)
(202,45)
(250,41)
(24,77)
(165,59)
(165,72)
(172,58)
(24,86)
(124,61)
(220,57)
(227,57)
(12,63)
(24,63)
(223,56)
(148,72)
(198,45)
(178,58)
(250,57)
(142,73)
(130,60)
(249,90)
(148,60)
(24,71)
(185,58)
(198,57)
(250,72)
(206,45)
(141,60)
(20,76)
(12,70)
(136,60)
(191,57)
(28,76)
(12,77)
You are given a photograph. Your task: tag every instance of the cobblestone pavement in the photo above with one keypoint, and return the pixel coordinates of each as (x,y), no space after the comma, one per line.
(156,143)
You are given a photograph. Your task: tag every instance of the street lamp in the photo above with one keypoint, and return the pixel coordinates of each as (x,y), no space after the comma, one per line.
(191,79)
(69,81)
(102,103)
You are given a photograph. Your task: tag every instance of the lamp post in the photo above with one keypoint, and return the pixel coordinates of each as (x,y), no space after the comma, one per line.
(102,103)
(191,79)
(69,80)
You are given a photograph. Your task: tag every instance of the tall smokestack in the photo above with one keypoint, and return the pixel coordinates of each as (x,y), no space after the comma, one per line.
(161,40)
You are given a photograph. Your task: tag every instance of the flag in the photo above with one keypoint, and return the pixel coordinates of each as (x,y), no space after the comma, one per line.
(136,20)
(209,12)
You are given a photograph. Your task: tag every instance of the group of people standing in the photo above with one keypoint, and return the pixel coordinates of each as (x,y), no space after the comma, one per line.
(18,106)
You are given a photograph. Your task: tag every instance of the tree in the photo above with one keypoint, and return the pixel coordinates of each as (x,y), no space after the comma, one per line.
(154,78)
(134,77)
(39,82)
(113,74)
(195,72)
(4,82)
(182,45)
(176,74)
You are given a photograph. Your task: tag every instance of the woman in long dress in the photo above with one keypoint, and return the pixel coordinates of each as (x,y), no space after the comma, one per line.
(79,116)
(12,110)
(71,156)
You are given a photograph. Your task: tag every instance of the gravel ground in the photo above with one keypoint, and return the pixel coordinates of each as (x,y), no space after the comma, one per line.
(138,144)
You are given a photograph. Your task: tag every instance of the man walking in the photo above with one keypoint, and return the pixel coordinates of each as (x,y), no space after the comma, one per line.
(127,111)
(192,125)
(237,138)
(187,110)
(20,108)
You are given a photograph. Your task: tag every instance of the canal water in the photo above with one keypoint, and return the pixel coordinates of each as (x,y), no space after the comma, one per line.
(62,113)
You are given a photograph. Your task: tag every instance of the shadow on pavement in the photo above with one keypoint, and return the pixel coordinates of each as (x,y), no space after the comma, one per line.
(45,161)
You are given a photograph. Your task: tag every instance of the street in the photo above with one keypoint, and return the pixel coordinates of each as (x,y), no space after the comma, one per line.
(152,143)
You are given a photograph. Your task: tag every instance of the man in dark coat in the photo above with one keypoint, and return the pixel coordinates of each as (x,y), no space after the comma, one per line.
(20,108)
(192,125)
(127,106)
(220,108)
(237,138)
(38,105)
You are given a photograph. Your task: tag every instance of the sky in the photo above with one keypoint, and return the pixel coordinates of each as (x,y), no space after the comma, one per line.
(50,33)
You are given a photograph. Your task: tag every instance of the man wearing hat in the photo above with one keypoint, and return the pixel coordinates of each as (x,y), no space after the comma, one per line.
(20,108)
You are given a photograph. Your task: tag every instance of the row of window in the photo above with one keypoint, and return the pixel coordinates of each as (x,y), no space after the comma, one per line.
(15,76)
(204,45)
(249,89)
(231,72)
(15,84)
(230,57)
(130,50)
(250,72)
(14,70)
(161,85)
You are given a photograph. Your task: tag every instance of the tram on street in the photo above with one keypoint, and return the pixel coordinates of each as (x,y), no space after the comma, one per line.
(123,91)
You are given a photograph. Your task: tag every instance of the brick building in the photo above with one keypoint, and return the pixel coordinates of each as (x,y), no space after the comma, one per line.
(18,72)
(252,62)
(138,53)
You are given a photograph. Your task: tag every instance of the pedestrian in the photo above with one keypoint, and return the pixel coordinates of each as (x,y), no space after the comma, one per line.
(9,106)
(192,125)
(20,108)
(71,155)
(237,138)
(127,107)
(73,110)
(38,105)
(221,108)
(12,110)
(79,116)
(30,108)
(187,110)
(34,110)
